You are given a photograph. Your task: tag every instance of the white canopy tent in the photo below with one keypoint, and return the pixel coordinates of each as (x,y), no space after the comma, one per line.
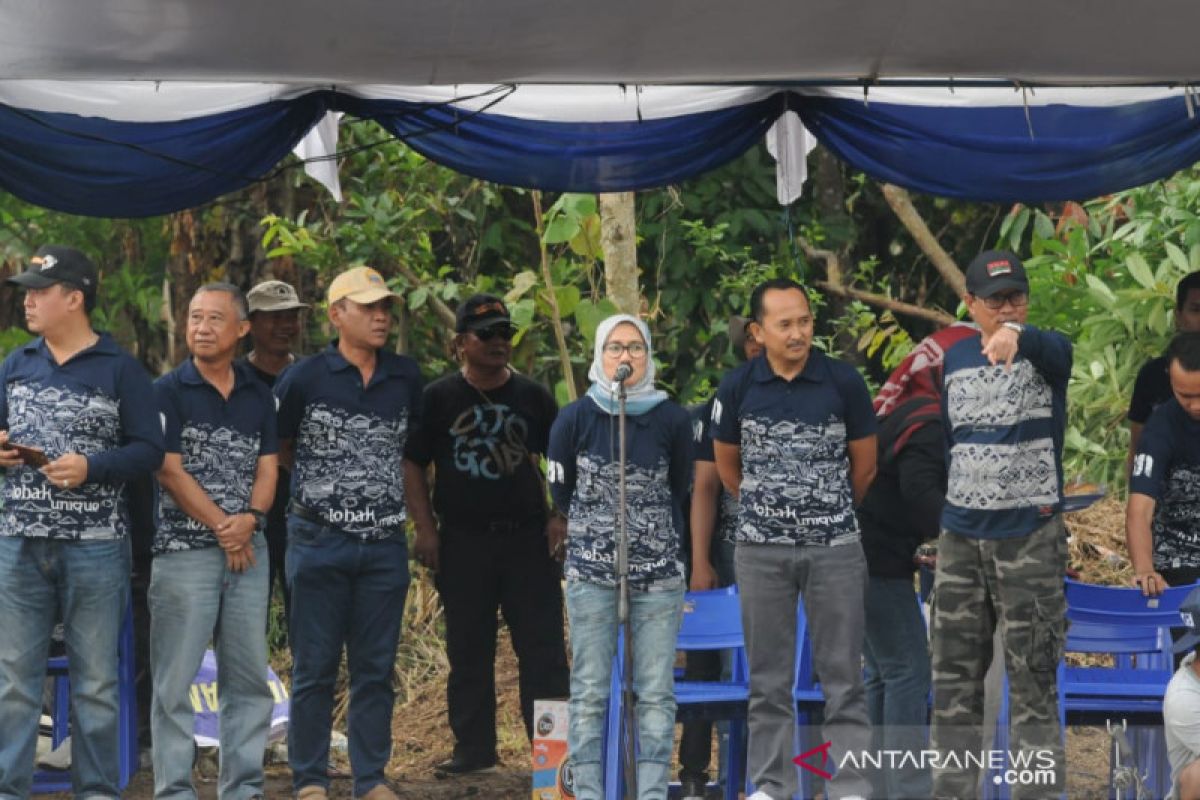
(418,42)
(135,107)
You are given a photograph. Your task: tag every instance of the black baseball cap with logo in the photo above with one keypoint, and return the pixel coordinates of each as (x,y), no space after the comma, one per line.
(479,311)
(53,264)
(995,271)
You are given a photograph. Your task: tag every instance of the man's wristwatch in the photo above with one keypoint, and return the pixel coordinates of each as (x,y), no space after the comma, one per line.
(260,518)
(1016,327)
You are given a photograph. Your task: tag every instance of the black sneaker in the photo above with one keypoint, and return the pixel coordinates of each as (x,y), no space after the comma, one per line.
(692,787)
(459,765)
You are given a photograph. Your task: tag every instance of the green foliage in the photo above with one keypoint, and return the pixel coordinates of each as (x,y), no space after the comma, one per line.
(11,339)
(1105,276)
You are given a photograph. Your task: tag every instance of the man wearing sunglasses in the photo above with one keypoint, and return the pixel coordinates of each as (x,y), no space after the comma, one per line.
(1003,549)
(494,543)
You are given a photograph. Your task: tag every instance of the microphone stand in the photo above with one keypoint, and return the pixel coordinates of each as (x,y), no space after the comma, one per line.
(628,701)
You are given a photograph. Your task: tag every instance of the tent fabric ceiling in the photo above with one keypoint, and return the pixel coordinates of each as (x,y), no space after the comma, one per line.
(134,149)
(140,107)
(418,42)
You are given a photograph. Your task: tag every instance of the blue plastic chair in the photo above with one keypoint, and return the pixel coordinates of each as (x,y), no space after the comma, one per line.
(1135,630)
(711,621)
(49,781)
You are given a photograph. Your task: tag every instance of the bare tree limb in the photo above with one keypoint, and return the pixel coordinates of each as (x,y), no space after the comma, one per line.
(834,285)
(907,213)
(898,306)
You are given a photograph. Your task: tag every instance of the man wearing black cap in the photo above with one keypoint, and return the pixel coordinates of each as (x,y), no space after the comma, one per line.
(1181,708)
(494,544)
(77,420)
(1002,552)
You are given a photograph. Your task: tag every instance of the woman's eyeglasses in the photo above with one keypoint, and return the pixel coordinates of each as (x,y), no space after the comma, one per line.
(635,349)
(504,331)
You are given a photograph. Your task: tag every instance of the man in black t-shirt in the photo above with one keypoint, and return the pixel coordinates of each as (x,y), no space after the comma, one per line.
(275,310)
(1153,387)
(1162,521)
(493,545)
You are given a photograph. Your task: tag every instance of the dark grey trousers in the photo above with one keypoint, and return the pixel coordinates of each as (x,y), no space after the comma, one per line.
(832,582)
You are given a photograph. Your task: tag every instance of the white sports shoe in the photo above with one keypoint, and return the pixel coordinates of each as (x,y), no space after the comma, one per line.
(760,795)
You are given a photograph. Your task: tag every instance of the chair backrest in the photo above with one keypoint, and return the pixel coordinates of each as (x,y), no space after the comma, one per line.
(711,621)
(1124,622)
(1114,605)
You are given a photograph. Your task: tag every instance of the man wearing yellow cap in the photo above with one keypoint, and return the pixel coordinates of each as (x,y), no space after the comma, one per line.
(344,417)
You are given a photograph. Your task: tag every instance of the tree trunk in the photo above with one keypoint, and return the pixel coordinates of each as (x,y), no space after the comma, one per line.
(618,240)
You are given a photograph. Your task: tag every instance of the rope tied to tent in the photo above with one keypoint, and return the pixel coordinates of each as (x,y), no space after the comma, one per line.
(1025,90)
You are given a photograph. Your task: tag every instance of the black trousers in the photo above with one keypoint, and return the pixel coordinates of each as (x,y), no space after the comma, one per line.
(139,584)
(276,536)
(506,570)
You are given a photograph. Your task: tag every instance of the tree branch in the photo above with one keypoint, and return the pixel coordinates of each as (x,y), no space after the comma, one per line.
(898,306)
(833,268)
(443,312)
(564,355)
(907,213)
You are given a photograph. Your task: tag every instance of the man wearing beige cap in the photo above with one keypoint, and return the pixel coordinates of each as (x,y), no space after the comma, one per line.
(274,325)
(344,417)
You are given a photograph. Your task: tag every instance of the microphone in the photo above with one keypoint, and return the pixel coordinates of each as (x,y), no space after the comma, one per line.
(623,373)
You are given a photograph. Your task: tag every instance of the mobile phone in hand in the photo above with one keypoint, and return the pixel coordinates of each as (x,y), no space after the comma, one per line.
(31,456)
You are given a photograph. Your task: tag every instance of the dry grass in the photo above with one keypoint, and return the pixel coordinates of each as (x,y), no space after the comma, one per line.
(1098,544)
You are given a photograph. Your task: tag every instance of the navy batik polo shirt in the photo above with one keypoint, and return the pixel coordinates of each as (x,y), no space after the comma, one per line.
(100,404)
(584,473)
(1167,468)
(219,442)
(349,438)
(793,437)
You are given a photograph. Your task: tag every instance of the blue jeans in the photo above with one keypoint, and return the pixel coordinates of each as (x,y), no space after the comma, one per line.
(655,617)
(195,598)
(897,681)
(88,582)
(345,592)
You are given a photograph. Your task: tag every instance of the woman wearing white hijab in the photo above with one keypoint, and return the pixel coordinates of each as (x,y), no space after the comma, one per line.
(583,479)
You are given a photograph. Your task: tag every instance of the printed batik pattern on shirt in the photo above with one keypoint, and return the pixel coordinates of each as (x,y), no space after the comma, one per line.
(59,421)
(795,483)
(1002,474)
(348,469)
(653,543)
(1176,524)
(224,462)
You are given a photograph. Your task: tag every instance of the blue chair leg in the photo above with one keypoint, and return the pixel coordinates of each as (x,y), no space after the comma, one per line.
(993,790)
(735,758)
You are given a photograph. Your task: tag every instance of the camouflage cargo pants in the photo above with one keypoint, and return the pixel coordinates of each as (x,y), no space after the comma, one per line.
(1017,584)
